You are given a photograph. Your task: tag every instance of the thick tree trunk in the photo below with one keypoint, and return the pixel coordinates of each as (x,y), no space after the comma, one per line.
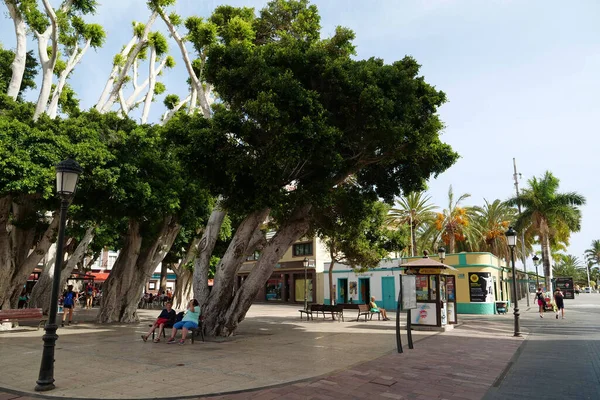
(184,287)
(133,268)
(40,295)
(203,253)
(547,261)
(18,64)
(226,309)
(163,278)
(20,249)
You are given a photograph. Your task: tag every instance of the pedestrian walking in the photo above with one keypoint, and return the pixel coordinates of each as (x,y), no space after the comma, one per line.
(539,296)
(69,299)
(560,303)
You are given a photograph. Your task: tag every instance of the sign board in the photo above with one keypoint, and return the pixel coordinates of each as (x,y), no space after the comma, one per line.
(430,271)
(566,286)
(479,286)
(409,292)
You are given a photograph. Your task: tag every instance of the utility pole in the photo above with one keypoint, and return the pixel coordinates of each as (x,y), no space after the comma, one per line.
(516,176)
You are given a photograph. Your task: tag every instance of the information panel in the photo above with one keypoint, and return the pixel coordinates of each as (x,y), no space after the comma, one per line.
(479,285)
(409,292)
(566,286)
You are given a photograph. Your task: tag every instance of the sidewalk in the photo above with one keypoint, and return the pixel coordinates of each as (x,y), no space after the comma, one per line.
(293,359)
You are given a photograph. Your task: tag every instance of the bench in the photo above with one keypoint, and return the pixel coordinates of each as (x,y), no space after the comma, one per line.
(198,331)
(23,314)
(314,308)
(334,310)
(167,326)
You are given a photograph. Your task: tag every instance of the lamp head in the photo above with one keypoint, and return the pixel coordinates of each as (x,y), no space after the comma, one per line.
(442,253)
(67,175)
(511,237)
(305,262)
(535,258)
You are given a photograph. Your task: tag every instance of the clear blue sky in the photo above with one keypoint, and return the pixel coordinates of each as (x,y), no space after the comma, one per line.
(522,79)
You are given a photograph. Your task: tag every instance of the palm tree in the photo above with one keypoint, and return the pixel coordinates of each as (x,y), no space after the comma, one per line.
(489,224)
(413,210)
(592,254)
(547,214)
(453,222)
(570,266)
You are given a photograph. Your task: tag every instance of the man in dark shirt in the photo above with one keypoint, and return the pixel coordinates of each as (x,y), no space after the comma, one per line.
(166,318)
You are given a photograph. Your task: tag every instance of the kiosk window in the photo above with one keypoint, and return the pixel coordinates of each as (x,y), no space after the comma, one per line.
(432,287)
(422,288)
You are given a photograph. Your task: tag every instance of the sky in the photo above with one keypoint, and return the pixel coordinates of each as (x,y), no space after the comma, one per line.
(521,77)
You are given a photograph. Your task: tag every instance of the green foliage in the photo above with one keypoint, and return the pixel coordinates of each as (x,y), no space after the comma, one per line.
(159,42)
(202,34)
(171,101)
(31,70)
(175,19)
(170,62)
(68,102)
(138,29)
(293,19)
(119,60)
(159,88)
(354,230)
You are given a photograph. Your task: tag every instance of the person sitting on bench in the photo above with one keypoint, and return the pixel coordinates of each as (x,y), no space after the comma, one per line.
(189,321)
(375,309)
(166,317)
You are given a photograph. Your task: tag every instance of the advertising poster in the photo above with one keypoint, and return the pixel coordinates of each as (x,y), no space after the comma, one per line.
(424,314)
(480,286)
(451,318)
(409,292)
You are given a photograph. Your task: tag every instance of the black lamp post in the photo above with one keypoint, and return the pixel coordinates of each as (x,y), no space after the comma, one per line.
(511,238)
(305,263)
(537,277)
(67,174)
(442,254)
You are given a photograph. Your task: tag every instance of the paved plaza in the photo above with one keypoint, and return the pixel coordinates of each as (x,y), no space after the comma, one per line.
(277,356)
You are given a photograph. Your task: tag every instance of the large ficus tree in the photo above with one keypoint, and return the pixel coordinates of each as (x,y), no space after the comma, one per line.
(298,111)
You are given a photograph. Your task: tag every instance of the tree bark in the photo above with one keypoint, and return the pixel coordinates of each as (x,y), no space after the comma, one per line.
(132,55)
(163,278)
(18,64)
(203,253)
(113,74)
(133,268)
(74,59)
(46,62)
(170,113)
(184,288)
(226,309)
(330,274)
(151,85)
(40,295)
(20,248)
(547,260)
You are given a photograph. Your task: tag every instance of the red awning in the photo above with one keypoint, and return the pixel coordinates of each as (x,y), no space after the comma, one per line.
(100,276)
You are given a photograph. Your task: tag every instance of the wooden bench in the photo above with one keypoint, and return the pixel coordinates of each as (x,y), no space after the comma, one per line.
(198,331)
(23,314)
(335,310)
(167,326)
(314,308)
(364,309)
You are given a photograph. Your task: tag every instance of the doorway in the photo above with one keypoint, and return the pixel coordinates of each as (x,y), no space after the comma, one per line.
(342,291)
(364,290)
(388,290)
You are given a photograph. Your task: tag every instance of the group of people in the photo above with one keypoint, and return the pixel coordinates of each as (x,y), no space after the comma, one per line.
(185,321)
(559,302)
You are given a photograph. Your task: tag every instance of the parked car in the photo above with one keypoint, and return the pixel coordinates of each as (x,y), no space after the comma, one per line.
(587,290)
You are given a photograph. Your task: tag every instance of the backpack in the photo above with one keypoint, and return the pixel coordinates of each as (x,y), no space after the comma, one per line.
(69,299)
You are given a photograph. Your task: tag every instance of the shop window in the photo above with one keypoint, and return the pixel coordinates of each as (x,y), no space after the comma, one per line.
(273,289)
(302,249)
(152,285)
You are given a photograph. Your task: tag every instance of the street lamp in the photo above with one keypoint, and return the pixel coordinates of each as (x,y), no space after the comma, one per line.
(442,254)
(67,175)
(305,263)
(537,277)
(511,238)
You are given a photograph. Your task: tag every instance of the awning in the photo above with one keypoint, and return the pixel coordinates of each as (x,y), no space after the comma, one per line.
(100,276)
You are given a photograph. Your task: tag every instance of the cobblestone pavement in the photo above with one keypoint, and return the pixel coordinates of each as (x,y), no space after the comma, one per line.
(289,359)
(560,359)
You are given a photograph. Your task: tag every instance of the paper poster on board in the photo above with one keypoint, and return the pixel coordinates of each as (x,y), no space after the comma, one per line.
(409,292)
(424,314)
(481,287)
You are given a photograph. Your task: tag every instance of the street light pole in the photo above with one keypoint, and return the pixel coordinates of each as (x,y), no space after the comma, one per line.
(305,263)
(523,256)
(511,238)
(537,277)
(67,174)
